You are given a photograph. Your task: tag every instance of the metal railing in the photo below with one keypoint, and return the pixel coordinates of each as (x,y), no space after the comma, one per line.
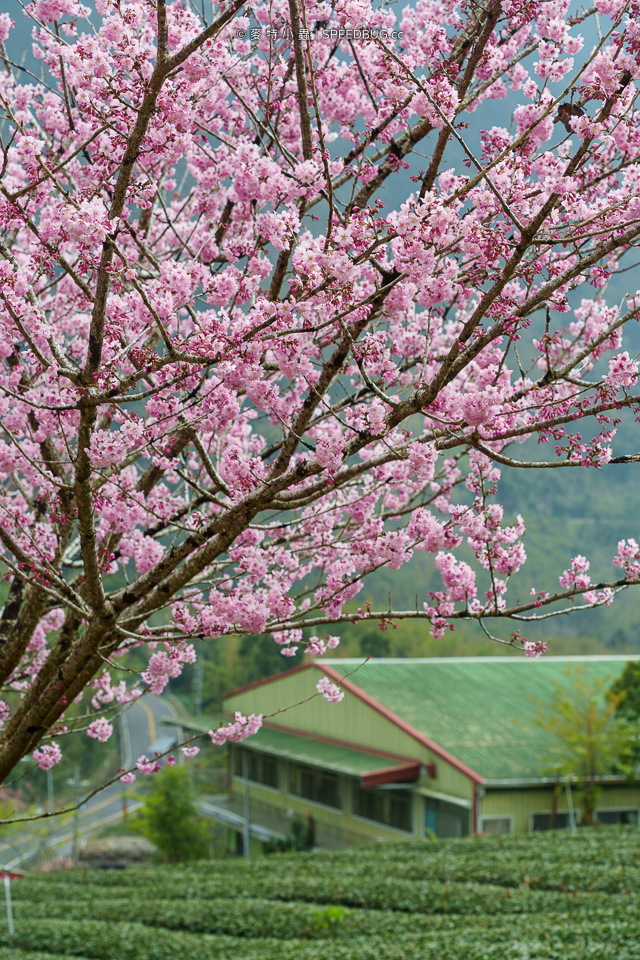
(278,821)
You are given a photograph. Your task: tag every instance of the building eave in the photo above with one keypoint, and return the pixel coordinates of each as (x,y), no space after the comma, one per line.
(401,774)
(516,782)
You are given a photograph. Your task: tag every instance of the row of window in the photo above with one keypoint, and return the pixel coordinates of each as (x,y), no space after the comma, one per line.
(394,808)
(557,821)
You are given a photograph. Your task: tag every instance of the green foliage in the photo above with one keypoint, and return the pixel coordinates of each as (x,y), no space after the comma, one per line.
(526,897)
(170,817)
(261,657)
(328,918)
(374,643)
(627,691)
(6,954)
(587,738)
(300,837)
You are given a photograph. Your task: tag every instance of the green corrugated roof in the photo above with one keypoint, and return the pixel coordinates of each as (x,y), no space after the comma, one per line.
(291,746)
(478,709)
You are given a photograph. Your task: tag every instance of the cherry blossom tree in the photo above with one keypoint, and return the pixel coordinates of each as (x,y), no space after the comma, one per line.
(233,383)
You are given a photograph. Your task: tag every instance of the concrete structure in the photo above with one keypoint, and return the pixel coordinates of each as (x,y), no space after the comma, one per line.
(417,747)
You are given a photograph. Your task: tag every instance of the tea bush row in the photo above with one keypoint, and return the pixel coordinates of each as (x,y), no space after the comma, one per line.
(373,891)
(107,940)
(606,861)
(553,897)
(263,918)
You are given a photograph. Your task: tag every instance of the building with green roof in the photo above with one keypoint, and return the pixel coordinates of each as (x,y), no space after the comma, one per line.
(416,748)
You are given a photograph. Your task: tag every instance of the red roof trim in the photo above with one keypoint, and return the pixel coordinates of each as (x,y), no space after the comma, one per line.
(261,683)
(402,724)
(408,771)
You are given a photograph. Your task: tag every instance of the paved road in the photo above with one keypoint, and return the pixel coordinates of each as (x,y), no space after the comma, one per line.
(142,729)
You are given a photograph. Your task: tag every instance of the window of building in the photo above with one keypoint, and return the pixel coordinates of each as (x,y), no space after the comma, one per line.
(319,786)
(496,826)
(549,821)
(443,819)
(394,808)
(261,768)
(618,816)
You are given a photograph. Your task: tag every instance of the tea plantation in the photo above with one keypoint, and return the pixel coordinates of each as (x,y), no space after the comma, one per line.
(533,897)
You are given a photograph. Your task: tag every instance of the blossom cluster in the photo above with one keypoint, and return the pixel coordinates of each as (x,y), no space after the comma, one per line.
(47,756)
(241,728)
(330,691)
(230,394)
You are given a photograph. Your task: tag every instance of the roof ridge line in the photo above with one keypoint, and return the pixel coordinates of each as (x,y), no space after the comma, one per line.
(571,657)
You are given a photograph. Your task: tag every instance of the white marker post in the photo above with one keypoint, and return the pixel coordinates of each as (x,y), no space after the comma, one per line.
(7,897)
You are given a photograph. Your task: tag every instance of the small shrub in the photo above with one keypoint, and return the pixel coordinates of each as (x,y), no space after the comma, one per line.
(328,918)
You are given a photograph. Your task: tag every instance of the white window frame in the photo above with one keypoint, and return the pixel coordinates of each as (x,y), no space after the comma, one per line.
(496,816)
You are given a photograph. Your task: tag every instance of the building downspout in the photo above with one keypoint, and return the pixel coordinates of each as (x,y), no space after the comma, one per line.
(474,809)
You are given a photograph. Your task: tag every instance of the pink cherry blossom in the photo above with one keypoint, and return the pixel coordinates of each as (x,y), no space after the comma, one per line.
(167,664)
(47,756)
(100,729)
(623,372)
(6,25)
(628,557)
(145,765)
(241,728)
(577,575)
(534,648)
(330,691)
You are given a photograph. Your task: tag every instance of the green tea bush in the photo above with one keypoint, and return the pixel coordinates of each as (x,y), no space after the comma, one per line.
(542,897)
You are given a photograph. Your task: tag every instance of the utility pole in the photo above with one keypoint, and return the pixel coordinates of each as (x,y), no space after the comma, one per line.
(76,783)
(51,804)
(246,829)
(199,682)
(125,758)
(50,796)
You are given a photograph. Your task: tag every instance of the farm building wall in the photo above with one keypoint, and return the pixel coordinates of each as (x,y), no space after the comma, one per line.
(533,808)
(333,827)
(352,720)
